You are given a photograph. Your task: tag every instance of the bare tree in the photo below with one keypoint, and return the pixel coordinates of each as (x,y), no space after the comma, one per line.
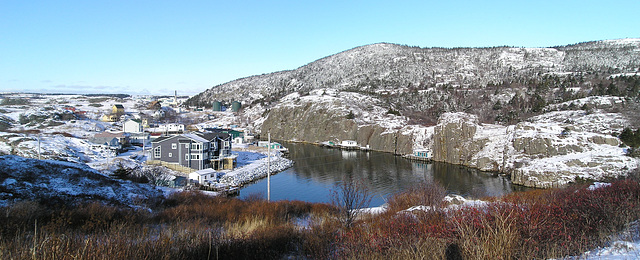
(349,198)
(154,175)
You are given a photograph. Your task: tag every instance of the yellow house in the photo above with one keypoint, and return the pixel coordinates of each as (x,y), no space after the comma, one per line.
(109,118)
(117,109)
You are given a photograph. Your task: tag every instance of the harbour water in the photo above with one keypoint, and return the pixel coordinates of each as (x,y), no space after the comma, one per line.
(318,171)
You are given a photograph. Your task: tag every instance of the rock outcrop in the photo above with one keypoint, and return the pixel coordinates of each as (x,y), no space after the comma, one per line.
(536,154)
(324,116)
(453,141)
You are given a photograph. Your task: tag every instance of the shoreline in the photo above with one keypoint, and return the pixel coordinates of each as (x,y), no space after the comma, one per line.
(254,171)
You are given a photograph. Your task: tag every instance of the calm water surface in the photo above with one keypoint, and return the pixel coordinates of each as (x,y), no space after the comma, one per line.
(317,171)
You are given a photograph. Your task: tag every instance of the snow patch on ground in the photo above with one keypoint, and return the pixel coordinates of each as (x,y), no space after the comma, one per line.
(625,245)
(254,166)
(552,149)
(32,179)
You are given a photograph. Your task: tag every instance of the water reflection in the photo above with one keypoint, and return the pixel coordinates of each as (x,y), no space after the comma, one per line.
(317,171)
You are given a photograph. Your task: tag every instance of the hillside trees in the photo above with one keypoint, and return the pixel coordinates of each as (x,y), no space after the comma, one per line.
(423,83)
(630,138)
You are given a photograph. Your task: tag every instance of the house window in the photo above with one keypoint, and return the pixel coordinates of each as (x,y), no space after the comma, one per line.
(186,146)
(195,146)
(170,155)
(226,144)
(156,152)
(174,146)
(186,157)
(195,157)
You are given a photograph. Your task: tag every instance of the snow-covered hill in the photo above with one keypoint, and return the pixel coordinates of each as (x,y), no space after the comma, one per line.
(54,182)
(388,67)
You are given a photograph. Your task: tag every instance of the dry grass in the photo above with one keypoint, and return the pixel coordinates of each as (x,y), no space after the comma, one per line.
(534,224)
(424,194)
(190,225)
(492,237)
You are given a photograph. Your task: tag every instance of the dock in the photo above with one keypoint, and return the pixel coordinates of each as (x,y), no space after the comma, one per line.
(417,158)
(345,145)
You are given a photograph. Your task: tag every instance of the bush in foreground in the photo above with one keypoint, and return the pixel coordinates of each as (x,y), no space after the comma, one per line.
(189,225)
(534,224)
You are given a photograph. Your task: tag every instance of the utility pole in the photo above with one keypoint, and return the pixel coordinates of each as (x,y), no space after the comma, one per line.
(269,169)
(39,137)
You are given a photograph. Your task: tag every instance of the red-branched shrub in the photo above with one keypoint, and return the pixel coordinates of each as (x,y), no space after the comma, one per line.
(532,224)
(422,194)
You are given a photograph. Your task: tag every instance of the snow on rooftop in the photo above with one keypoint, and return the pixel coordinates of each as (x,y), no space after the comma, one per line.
(196,138)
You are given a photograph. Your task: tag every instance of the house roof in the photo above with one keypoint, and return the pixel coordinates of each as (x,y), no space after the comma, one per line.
(110,134)
(196,138)
(213,136)
(204,171)
(102,140)
(162,138)
(134,120)
(189,136)
(118,106)
(223,130)
(139,134)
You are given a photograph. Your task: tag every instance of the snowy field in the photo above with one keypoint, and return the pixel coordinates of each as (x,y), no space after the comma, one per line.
(36,130)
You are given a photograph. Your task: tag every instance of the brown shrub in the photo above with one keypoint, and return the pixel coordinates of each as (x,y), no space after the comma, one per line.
(21,215)
(533,224)
(422,194)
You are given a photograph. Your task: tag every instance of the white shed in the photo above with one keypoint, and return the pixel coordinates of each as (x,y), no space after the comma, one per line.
(349,143)
(132,126)
(204,175)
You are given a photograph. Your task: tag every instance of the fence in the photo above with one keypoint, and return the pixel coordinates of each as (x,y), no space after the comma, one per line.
(172,166)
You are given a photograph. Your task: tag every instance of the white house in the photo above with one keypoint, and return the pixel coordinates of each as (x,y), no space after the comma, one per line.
(274,145)
(132,126)
(172,127)
(238,140)
(205,176)
(349,143)
(248,138)
(167,128)
(158,114)
(422,153)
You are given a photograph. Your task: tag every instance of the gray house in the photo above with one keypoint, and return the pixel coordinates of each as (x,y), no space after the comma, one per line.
(196,151)
(110,143)
(222,157)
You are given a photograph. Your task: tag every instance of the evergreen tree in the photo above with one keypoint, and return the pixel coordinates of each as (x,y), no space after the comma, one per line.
(612,90)
(537,103)
(629,137)
(497,105)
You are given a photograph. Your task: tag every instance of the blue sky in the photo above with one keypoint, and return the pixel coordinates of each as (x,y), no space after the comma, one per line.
(156,47)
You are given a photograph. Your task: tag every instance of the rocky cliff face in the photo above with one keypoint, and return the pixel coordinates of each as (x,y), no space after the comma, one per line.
(453,140)
(544,152)
(331,115)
